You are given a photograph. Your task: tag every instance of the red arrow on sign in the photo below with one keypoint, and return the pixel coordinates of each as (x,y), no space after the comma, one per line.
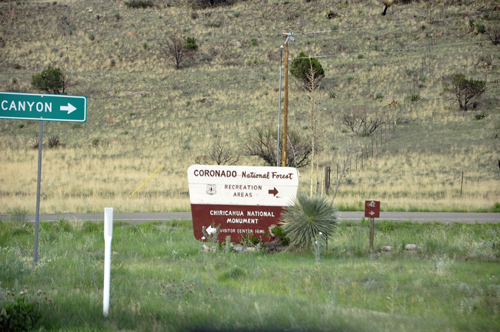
(274,191)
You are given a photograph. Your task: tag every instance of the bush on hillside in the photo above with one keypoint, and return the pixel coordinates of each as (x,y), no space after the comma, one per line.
(50,80)
(139,4)
(494,35)
(308,70)
(463,90)
(177,49)
(209,3)
(190,44)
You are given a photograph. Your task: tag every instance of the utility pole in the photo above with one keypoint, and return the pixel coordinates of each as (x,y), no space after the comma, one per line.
(279,112)
(287,37)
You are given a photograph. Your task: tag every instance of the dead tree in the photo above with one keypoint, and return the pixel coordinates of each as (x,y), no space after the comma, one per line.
(221,154)
(362,122)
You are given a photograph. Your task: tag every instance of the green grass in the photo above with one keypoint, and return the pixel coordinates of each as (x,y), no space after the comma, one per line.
(451,282)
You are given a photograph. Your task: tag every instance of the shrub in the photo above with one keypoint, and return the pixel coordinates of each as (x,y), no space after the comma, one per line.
(280,235)
(19,316)
(91,36)
(481,28)
(310,216)
(463,90)
(494,35)
(139,4)
(307,70)
(480,116)
(254,42)
(209,3)
(415,97)
(54,142)
(190,44)
(175,48)
(96,141)
(50,80)
(379,96)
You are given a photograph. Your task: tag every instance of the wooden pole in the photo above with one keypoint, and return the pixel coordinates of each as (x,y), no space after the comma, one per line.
(327,179)
(285,108)
(462,184)
(372,232)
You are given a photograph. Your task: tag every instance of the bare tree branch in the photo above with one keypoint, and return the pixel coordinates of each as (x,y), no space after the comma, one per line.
(222,155)
(362,122)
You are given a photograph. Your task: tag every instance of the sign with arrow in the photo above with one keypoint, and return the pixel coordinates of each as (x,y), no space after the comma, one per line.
(43,107)
(243,200)
(372,209)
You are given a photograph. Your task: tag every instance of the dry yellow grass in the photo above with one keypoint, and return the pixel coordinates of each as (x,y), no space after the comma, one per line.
(232,86)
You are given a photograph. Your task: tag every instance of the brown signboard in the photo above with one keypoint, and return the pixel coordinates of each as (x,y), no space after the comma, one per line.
(243,200)
(372,209)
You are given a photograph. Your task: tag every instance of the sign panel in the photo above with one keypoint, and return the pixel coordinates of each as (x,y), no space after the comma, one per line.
(372,209)
(43,107)
(243,200)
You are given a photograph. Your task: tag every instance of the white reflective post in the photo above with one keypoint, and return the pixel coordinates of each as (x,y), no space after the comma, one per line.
(108,236)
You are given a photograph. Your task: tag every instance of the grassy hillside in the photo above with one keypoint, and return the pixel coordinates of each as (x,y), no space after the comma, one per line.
(143,113)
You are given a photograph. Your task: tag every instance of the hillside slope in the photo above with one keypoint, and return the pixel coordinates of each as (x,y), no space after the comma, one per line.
(142,112)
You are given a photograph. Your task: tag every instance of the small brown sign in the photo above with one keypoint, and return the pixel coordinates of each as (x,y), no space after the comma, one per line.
(372,209)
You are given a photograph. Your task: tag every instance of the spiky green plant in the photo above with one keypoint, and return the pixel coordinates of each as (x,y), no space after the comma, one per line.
(309,217)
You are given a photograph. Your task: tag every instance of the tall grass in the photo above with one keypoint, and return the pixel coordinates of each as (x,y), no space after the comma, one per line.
(451,279)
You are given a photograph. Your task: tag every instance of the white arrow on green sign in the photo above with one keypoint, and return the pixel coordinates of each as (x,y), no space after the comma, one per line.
(43,107)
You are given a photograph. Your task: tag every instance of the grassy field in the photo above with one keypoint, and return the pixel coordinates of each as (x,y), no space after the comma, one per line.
(160,281)
(108,51)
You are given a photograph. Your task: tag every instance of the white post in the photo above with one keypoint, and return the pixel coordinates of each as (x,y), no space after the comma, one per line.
(108,236)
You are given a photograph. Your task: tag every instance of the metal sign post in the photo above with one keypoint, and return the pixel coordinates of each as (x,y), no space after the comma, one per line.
(42,107)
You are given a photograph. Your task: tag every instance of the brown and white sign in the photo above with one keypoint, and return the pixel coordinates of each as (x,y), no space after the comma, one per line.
(243,200)
(372,209)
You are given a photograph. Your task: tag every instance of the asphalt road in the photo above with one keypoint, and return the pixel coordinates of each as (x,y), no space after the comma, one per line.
(138,217)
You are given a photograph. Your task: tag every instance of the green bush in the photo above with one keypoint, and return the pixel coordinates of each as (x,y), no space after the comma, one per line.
(463,90)
(280,235)
(190,44)
(19,316)
(50,80)
(139,4)
(481,28)
(306,69)
(310,216)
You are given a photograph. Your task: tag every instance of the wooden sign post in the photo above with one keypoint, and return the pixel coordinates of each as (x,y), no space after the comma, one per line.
(242,200)
(372,211)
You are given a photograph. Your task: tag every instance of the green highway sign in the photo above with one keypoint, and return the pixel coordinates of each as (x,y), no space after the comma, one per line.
(42,107)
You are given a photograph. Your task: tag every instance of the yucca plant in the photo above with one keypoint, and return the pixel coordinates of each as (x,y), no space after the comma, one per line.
(310,216)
